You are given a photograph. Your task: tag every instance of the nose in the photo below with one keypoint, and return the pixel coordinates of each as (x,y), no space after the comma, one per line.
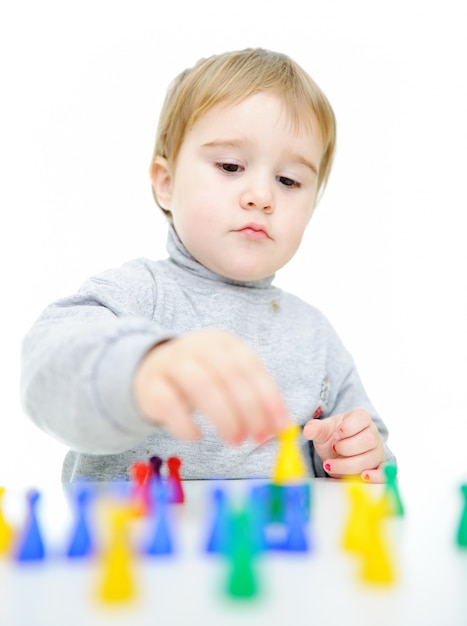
(257,194)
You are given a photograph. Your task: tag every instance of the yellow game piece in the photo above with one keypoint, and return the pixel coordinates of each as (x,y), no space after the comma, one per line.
(117,584)
(290,466)
(377,565)
(356,528)
(6,531)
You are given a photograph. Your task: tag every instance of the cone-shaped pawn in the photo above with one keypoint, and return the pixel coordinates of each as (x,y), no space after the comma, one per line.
(391,492)
(161,537)
(461,537)
(290,466)
(81,543)
(31,545)
(242,580)
(6,530)
(378,565)
(220,533)
(355,533)
(117,584)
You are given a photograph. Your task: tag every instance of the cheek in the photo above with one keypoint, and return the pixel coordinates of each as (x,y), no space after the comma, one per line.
(297,224)
(193,215)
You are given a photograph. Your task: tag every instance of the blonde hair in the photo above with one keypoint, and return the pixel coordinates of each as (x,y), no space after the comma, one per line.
(232,77)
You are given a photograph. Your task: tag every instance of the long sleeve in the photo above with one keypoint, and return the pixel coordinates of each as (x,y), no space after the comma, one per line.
(78,362)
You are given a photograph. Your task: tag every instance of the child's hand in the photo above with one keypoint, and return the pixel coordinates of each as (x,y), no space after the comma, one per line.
(213,372)
(348,444)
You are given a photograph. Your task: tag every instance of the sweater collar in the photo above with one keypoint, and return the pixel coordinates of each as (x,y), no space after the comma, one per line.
(182,258)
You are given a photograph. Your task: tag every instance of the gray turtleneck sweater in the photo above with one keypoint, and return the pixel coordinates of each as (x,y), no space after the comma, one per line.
(79,358)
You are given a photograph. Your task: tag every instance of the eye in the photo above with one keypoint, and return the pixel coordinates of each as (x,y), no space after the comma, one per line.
(288,182)
(229,168)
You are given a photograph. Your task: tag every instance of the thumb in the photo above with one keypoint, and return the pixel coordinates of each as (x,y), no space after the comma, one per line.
(319,431)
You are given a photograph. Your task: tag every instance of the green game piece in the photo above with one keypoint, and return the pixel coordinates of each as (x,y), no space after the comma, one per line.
(392,490)
(461,537)
(242,580)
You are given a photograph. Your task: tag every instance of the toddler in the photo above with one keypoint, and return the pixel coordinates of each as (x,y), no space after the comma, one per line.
(199,355)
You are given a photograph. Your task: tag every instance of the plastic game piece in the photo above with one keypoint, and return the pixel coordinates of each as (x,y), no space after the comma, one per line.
(260,515)
(81,543)
(161,540)
(140,473)
(290,466)
(377,565)
(356,527)
(156,464)
(391,492)
(242,580)
(117,584)
(174,481)
(271,497)
(365,537)
(461,536)
(31,545)
(276,505)
(296,539)
(301,497)
(221,530)
(6,530)
(290,532)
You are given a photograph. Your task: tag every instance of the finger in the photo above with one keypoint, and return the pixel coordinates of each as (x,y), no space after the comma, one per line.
(343,466)
(362,442)
(204,391)
(321,431)
(353,422)
(257,399)
(376,475)
(252,391)
(171,411)
(250,405)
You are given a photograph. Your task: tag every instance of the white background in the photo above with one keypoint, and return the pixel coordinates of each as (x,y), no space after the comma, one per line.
(385,254)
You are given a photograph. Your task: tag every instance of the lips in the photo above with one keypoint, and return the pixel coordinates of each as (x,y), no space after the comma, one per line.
(254,231)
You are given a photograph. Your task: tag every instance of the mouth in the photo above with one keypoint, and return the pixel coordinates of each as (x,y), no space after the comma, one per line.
(253,231)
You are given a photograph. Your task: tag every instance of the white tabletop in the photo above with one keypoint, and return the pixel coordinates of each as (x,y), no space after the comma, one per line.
(318,587)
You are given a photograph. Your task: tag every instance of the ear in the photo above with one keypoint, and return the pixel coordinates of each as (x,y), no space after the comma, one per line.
(161,178)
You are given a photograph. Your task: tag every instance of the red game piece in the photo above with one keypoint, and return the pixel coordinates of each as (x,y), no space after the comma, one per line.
(174,481)
(140,473)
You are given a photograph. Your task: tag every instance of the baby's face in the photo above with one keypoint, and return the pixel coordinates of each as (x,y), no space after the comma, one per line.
(244,187)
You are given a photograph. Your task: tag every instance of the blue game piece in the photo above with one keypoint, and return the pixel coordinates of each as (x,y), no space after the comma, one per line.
(299,497)
(296,538)
(31,546)
(289,534)
(259,514)
(81,543)
(161,539)
(220,536)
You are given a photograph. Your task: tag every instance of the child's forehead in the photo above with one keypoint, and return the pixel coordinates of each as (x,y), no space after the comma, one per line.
(296,118)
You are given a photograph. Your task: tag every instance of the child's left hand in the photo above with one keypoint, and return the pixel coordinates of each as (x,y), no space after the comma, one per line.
(349,444)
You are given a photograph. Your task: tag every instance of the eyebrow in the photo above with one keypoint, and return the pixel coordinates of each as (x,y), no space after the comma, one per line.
(306,162)
(225,143)
(239,143)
